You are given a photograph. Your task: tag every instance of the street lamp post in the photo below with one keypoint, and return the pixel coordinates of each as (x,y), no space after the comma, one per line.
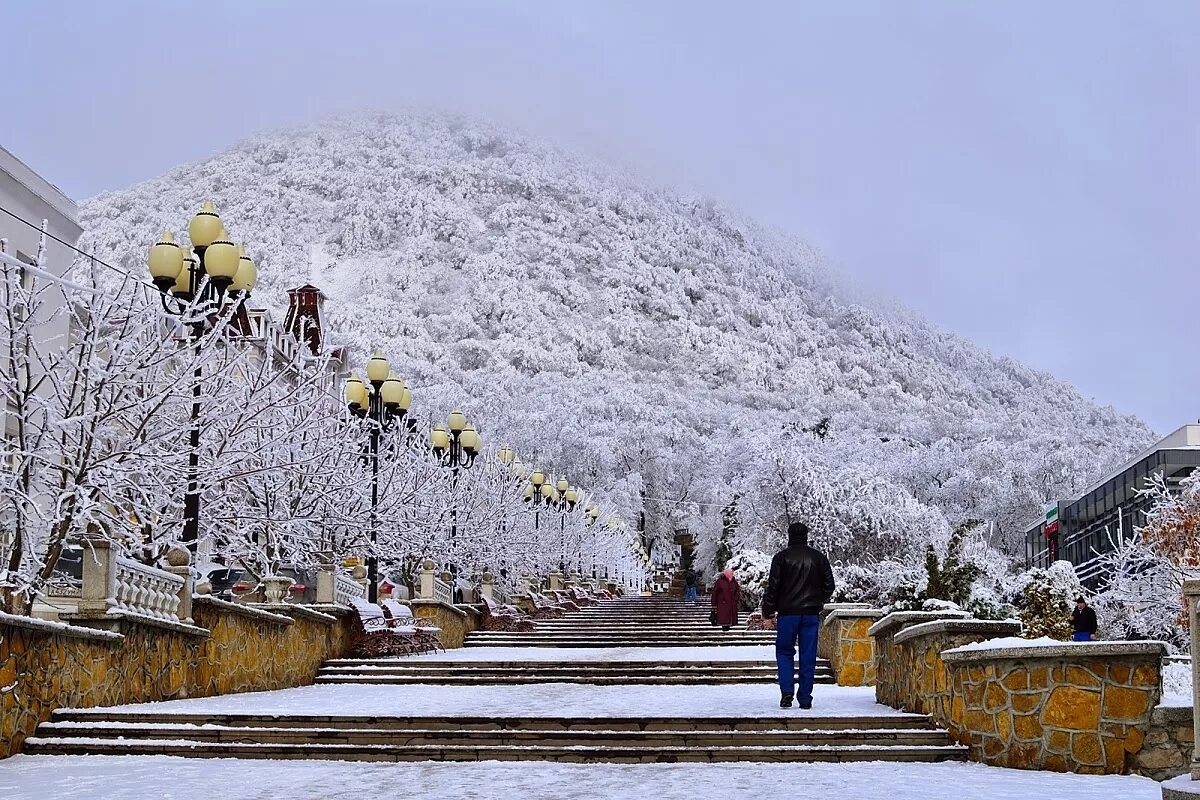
(220,275)
(381,401)
(455,445)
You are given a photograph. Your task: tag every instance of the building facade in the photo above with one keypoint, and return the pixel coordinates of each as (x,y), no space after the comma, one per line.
(27,202)
(1108,513)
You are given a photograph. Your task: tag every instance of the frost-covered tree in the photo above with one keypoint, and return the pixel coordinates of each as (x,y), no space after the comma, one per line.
(666,351)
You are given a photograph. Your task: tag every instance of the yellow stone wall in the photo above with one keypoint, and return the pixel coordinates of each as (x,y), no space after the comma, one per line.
(455,622)
(43,669)
(1085,714)
(919,682)
(853,650)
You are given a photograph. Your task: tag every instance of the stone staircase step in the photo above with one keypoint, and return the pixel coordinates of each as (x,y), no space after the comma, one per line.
(522,752)
(82,718)
(377,736)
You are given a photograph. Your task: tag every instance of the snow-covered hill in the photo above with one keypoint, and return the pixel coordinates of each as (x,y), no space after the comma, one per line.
(648,342)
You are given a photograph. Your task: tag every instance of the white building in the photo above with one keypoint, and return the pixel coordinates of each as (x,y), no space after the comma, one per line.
(28,200)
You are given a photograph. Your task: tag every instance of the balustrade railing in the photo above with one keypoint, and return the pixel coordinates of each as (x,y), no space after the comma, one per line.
(146,590)
(113,583)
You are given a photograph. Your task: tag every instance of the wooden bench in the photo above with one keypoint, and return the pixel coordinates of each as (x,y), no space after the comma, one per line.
(497,617)
(562,600)
(543,608)
(582,598)
(390,632)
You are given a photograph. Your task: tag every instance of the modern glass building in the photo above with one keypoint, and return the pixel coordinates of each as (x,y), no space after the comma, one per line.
(1107,513)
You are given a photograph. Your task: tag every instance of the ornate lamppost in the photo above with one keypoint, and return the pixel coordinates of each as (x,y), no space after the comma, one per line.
(381,402)
(563,500)
(219,276)
(456,446)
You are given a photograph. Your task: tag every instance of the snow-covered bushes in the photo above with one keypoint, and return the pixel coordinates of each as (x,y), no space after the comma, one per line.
(1143,595)
(1044,598)
(751,568)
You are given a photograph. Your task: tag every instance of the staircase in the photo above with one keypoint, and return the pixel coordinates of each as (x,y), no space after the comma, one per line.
(618,740)
(471,705)
(628,622)
(614,672)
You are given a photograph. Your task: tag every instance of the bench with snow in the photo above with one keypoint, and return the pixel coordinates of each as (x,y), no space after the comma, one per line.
(498,617)
(544,608)
(582,597)
(562,599)
(756,622)
(391,629)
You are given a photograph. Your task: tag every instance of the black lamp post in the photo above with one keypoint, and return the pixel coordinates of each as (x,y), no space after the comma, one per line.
(455,445)
(220,275)
(382,402)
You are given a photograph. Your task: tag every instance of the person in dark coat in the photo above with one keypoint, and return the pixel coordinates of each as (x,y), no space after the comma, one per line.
(726,594)
(1083,621)
(689,582)
(799,586)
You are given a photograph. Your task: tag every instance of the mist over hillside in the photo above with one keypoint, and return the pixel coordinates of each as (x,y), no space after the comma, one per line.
(650,344)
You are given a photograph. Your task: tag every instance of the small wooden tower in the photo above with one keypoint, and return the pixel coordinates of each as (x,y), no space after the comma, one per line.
(303,318)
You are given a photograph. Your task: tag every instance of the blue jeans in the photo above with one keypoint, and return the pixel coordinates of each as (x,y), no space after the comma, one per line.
(1081,636)
(690,594)
(790,630)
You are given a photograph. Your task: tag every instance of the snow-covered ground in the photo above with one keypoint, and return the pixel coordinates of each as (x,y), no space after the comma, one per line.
(572,654)
(155,777)
(1177,684)
(534,700)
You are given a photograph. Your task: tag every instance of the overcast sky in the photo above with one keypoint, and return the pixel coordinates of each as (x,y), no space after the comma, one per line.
(1024,173)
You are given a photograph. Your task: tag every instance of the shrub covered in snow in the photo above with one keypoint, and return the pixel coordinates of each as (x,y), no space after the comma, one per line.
(751,568)
(1044,597)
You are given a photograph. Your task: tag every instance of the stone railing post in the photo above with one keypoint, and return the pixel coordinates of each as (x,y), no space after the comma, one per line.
(487,586)
(99,576)
(326,578)
(179,563)
(425,580)
(556,580)
(1191,592)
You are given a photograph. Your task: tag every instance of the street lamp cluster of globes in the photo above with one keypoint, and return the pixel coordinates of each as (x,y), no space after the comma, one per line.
(217,270)
(229,268)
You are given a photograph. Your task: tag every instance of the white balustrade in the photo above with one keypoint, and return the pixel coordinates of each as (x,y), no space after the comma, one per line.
(113,583)
(345,589)
(146,590)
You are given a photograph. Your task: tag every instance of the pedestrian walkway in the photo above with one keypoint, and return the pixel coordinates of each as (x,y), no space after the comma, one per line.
(616,694)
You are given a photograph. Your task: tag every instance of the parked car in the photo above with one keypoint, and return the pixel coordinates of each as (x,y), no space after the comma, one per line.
(228,581)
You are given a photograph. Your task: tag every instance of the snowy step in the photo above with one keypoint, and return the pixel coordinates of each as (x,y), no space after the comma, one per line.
(514,679)
(376,736)
(799,721)
(522,752)
(635,668)
(551,641)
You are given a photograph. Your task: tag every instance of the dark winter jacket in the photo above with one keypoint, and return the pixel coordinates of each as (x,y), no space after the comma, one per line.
(689,579)
(726,594)
(1084,621)
(801,580)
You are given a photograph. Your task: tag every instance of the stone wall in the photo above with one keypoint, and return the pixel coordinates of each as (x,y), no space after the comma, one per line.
(849,647)
(454,622)
(231,648)
(827,637)
(1078,707)
(1167,751)
(888,657)
(920,682)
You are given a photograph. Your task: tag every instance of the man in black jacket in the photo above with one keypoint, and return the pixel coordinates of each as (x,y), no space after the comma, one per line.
(800,584)
(1083,621)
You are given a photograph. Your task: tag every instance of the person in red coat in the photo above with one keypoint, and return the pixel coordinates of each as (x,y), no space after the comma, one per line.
(726,594)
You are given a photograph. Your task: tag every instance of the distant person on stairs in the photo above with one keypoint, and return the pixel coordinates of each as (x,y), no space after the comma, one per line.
(689,582)
(726,594)
(799,586)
